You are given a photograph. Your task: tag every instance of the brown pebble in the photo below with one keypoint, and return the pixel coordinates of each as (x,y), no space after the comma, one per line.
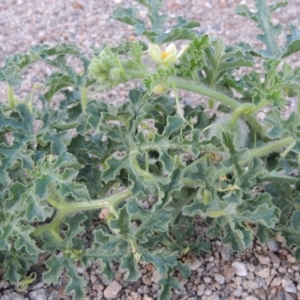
(149,267)
(261,294)
(131,38)
(78,5)
(228,273)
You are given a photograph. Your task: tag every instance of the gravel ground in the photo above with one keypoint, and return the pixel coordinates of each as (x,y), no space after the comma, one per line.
(260,272)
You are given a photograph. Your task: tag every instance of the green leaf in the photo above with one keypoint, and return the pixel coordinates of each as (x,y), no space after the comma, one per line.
(129,264)
(292,42)
(16,264)
(270,32)
(15,234)
(260,210)
(49,171)
(23,199)
(182,30)
(281,126)
(75,284)
(121,225)
(238,236)
(220,59)
(14,64)
(167,284)
(295,221)
(160,259)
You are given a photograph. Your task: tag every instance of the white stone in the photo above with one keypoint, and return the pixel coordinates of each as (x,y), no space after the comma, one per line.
(251,298)
(194,264)
(135,296)
(264,273)
(276,281)
(38,295)
(213,297)
(291,258)
(288,285)
(240,268)
(219,278)
(264,260)
(238,292)
(112,290)
(156,276)
(273,245)
(226,252)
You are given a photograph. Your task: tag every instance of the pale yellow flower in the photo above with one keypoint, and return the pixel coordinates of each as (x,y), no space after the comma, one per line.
(167,57)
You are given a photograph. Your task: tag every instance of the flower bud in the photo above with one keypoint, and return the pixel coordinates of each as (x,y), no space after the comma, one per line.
(115,74)
(206,196)
(160,89)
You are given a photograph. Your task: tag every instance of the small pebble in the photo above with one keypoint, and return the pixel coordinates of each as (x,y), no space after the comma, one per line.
(264,273)
(38,295)
(135,296)
(240,268)
(194,264)
(251,298)
(261,294)
(288,285)
(156,276)
(291,258)
(273,245)
(112,290)
(228,273)
(276,281)
(226,252)
(264,260)
(219,278)
(274,258)
(213,297)
(238,292)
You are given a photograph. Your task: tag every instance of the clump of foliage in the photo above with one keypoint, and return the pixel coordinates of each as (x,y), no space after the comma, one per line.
(240,174)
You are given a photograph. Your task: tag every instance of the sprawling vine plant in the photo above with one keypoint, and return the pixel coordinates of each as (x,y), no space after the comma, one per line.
(54,182)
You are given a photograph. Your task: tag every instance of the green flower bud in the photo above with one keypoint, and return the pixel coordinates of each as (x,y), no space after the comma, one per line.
(115,74)
(206,196)
(160,89)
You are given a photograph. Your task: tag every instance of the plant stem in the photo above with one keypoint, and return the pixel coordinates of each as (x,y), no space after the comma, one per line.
(298,104)
(270,147)
(200,89)
(138,168)
(257,152)
(236,114)
(10,95)
(83,91)
(279,177)
(147,161)
(178,105)
(65,126)
(74,207)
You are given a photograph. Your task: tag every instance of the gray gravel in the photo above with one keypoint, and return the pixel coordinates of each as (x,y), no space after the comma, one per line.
(260,272)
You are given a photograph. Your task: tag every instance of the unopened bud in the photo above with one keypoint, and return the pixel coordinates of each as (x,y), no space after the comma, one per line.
(160,89)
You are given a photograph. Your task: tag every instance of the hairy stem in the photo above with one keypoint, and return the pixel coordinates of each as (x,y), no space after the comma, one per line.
(10,95)
(200,89)
(298,104)
(74,207)
(239,111)
(257,152)
(178,105)
(83,91)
